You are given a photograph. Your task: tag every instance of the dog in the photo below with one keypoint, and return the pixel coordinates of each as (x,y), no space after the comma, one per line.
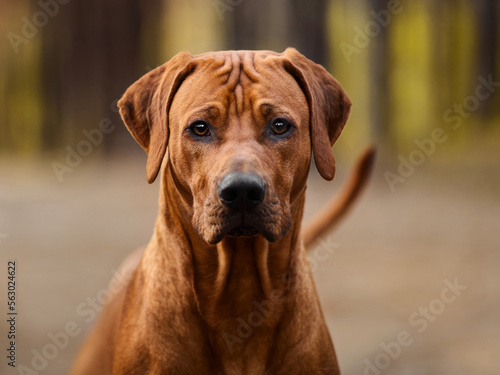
(224,286)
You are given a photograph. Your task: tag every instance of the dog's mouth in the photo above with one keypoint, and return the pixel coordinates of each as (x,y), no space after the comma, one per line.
(253,224)
(270,220)
(242,224)
(243,230)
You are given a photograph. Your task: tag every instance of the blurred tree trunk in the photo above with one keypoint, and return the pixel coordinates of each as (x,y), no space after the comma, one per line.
(379,81)
(444,50)
(241,23)
(20,86)
(262,24)
(92,51)
(487,18)
(307,29)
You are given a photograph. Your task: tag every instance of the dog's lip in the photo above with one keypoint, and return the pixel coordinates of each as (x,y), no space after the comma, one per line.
(246,223)
(243,230)
(249,223)
(238,228)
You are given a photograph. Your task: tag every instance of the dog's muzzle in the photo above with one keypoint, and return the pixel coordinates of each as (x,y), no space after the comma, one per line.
(242,193)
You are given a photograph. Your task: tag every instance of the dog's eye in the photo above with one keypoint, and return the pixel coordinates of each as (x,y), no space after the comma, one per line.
(200,129)
(280,126)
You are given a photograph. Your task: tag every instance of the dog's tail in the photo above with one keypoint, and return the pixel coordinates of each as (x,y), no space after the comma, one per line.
(342,202)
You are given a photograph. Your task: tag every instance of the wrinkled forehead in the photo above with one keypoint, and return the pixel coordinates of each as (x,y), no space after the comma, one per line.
(240,81)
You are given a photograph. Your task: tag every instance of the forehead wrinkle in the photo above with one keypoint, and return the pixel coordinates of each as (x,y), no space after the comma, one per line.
(249,66)
(234,82)
(234,76)
(228,66)
(235,71)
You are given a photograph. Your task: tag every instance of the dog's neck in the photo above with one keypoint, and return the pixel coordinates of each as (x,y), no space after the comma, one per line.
(237,272)
(241,283)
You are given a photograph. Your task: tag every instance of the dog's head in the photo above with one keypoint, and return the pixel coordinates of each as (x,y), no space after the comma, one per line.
(239,126)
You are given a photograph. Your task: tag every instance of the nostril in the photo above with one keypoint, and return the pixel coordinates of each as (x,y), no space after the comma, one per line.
(255,195)
(229,195)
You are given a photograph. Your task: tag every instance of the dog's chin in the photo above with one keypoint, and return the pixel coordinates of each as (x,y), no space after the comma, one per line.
(242,230)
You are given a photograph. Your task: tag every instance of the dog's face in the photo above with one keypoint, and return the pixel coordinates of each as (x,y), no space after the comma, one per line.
(239,127)
(239,144)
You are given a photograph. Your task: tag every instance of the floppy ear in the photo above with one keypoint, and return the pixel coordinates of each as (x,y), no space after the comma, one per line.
(329,107)
(144,108)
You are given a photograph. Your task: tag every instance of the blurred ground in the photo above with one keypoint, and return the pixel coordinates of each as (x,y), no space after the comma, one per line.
(395,254)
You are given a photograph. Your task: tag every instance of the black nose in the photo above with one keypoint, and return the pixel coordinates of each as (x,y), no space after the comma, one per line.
(241,190)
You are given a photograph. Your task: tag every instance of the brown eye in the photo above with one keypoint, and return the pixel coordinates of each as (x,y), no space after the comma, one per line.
(280,126)
(200,129)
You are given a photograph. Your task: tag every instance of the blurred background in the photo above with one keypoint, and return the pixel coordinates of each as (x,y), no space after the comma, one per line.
(423,77)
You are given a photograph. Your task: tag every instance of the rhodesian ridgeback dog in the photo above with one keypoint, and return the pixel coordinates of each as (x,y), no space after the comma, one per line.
(224,286)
